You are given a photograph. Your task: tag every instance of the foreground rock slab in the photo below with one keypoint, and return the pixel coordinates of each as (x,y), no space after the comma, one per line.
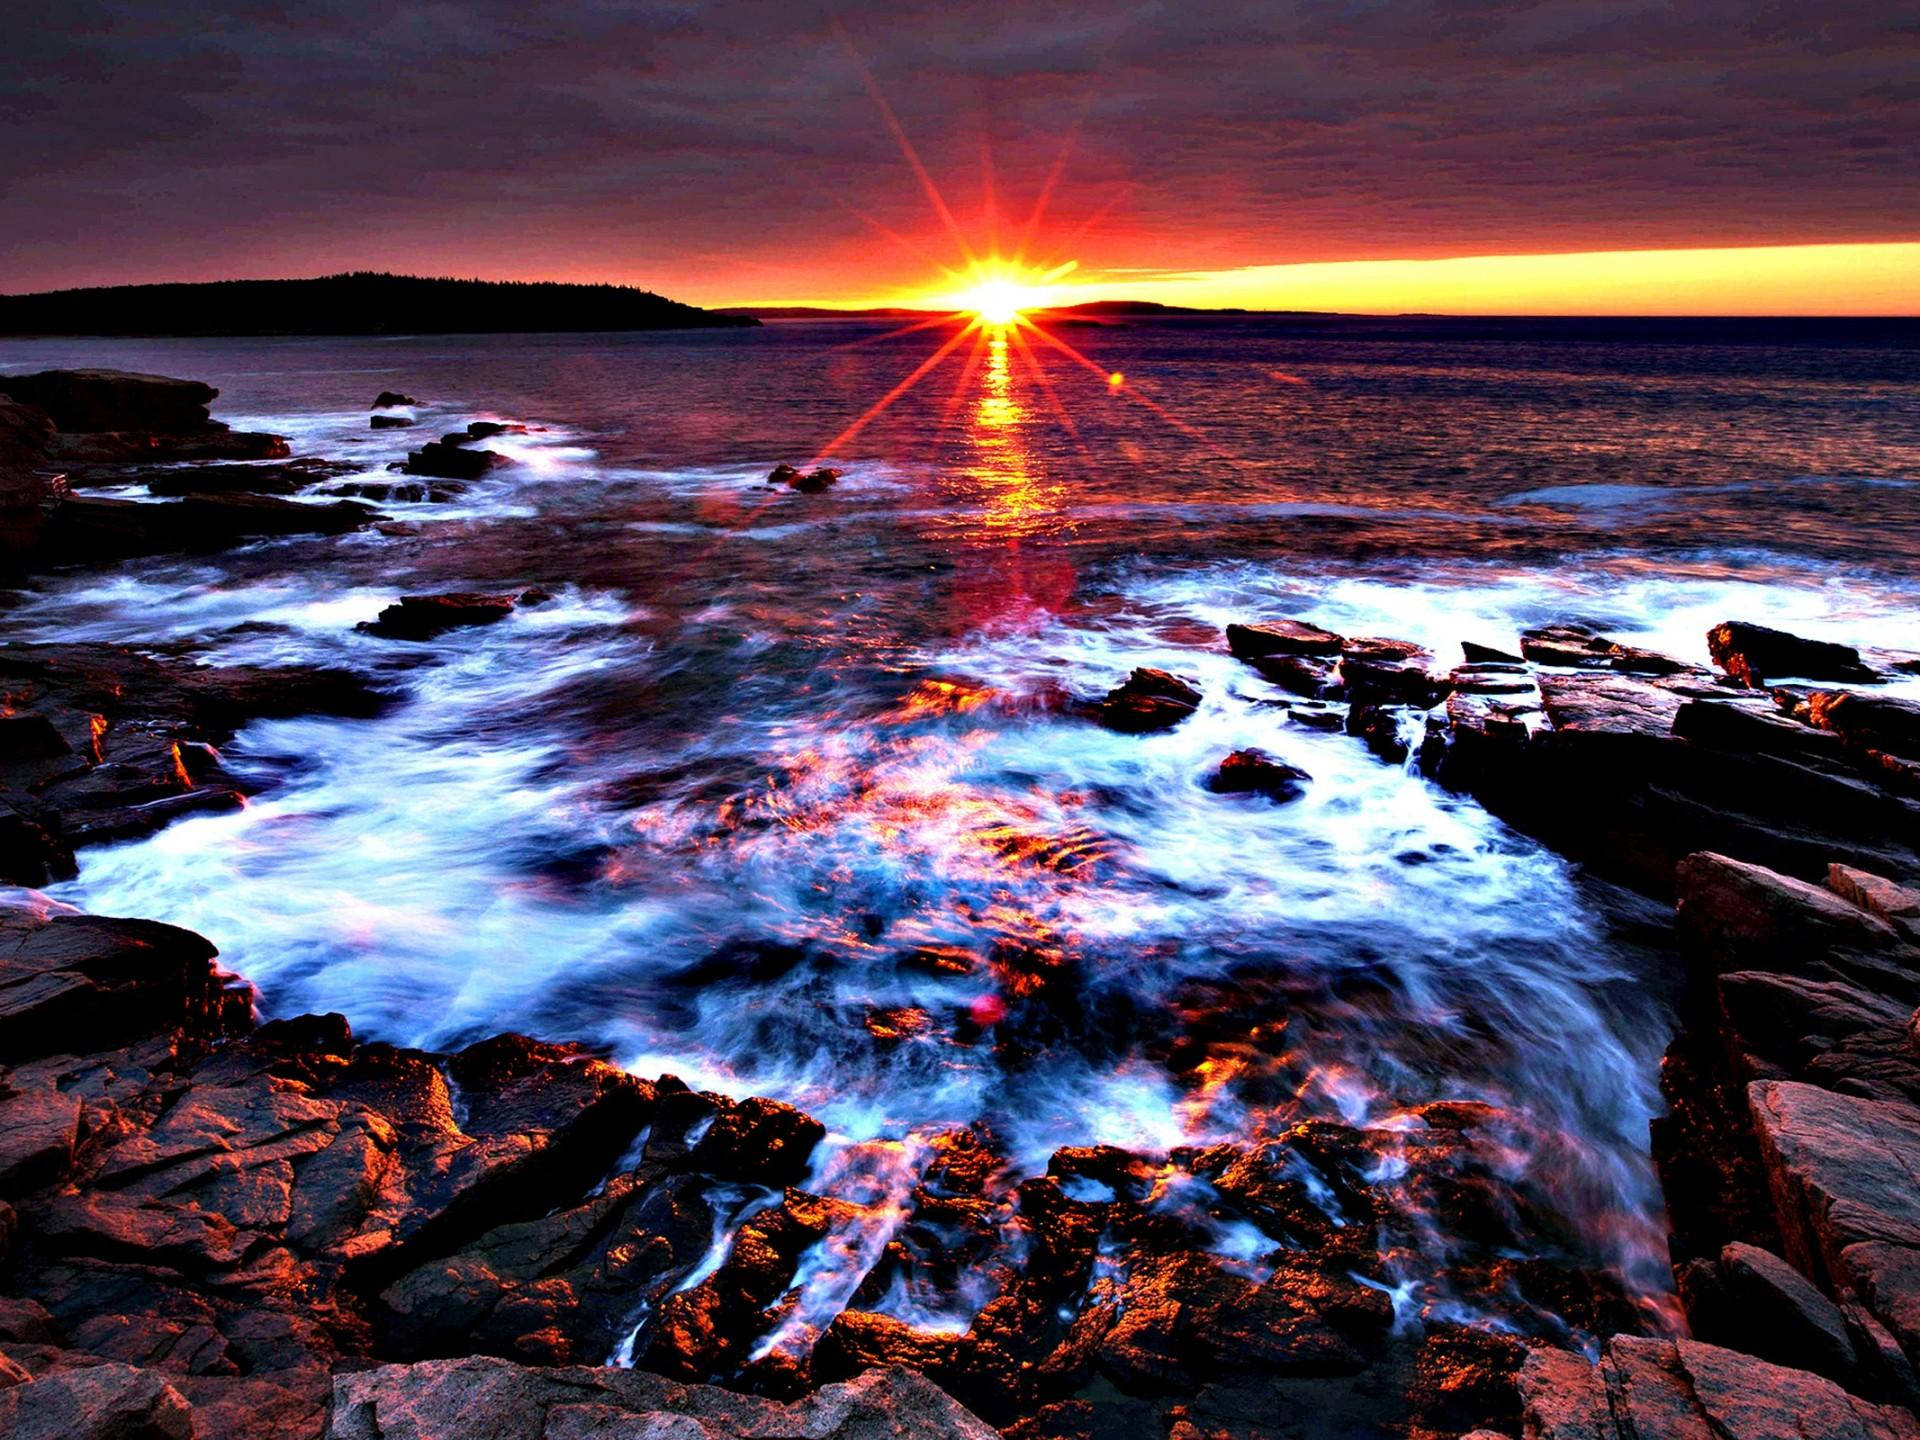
(445,1400)
(1646,1389)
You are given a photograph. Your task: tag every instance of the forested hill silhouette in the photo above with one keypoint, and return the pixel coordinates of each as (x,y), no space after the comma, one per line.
(362,303)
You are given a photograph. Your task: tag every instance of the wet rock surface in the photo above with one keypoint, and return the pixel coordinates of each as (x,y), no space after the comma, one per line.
(1149,699)
(440,460)
(1757,655)
(101,742)
(1644,1389)
(213,1226)
(252,1215)
(440,1400)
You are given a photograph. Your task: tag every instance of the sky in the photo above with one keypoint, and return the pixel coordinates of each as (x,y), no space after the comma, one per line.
(1710,156)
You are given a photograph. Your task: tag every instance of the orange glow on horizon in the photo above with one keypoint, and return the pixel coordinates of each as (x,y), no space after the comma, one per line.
(1880,279)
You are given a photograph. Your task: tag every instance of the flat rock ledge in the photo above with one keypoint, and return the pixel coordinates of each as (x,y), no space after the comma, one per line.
(441,1400)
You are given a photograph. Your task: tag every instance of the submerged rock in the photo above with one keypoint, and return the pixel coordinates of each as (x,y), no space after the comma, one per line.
(219,479)
(807,482)
(1147,700)
(389,399)
(442,461)
(390,422)
(92,528)
(423,617)
(1756,655)
(1256,772)
(407,492)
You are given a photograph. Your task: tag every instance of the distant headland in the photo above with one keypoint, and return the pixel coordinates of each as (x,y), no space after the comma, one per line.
(361,303)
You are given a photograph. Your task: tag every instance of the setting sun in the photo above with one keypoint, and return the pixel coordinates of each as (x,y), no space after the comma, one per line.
(997,302)
(1001,292)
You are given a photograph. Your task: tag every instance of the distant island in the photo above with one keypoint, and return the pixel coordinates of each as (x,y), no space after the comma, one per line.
(361,303)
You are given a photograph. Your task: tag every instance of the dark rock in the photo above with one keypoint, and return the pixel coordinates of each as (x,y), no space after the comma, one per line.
(1841,1170)
(30,737)
(1872,722)
(1744,916)
(83,983)
(486,429)
(1382,728)
(1148,700)
(1256,772)
(442,461)
(438,1400)
(423,617)
(1782,1317)
(93,529)
(93,400)
(1734,725)
(388,399)
(1582,648)
(1484,654)
(1756,656)
(1281,637)
(808,482)
(220,479)
(764,1141)
(390,422)
(1390,672)
(1310,676)
(409,492)
(30,481)
(111,416)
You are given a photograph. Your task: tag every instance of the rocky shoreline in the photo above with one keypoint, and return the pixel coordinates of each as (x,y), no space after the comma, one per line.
(213,1226)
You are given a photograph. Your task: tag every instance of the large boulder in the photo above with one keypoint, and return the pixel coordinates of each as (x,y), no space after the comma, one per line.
(1841,1170)
(114,416)
(93,528)
(1281,637)
(96,1402)
(1758,655)
(84,983)
(91,400)
(1255,772)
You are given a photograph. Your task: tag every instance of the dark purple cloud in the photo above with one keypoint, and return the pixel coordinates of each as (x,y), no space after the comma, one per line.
(732,151)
